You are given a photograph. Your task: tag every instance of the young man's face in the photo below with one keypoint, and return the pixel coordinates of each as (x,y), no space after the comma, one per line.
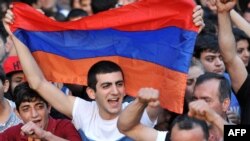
(209,92)
(109,94)
(212,62)
(243,51)
(16,79)
(35,111)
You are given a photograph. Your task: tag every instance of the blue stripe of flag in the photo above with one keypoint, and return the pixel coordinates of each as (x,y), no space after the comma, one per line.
(169,47)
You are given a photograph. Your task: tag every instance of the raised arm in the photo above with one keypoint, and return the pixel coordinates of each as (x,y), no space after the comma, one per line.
(240,22)
(234,64)
(129,120)
(35,77)
(200,109)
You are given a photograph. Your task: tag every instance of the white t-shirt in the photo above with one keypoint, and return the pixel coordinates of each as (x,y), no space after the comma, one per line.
(161,135)
(91,126)
(12,120)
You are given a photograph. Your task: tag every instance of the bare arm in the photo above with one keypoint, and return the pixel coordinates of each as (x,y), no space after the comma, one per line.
(129,120)
(35,77)
(200,109)
(234,64)
(240,22)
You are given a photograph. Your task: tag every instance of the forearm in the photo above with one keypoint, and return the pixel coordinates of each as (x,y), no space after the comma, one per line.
(240,22)
(37,81)
(219,122)
(131,116)
(226,39)
(234,64)
(29,65)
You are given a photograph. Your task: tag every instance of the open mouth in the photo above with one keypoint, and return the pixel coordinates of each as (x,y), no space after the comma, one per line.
(38,123)
(114,102)
(218,71)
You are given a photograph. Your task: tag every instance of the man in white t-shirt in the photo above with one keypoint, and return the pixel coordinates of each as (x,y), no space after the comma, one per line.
(95,120)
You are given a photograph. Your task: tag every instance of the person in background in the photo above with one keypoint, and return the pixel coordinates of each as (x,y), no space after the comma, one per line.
(239,76)
(8,117)
(37,124)
(14,74)
(242,45)
(183,128)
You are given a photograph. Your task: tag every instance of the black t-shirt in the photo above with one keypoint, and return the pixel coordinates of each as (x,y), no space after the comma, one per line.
(243,97)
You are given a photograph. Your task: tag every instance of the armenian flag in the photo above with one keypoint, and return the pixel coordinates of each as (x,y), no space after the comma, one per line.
(152,40)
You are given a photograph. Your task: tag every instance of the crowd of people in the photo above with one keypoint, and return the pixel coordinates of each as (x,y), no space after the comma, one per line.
(217,92)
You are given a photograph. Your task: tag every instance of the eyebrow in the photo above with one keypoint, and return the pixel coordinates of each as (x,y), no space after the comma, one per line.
(119,81)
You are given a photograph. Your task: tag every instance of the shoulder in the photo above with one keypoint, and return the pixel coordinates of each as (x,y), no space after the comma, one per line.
(60,122)
(12,104)
(14,130)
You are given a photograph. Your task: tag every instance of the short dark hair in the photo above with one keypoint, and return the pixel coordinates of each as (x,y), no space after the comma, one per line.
(23,93)
(101,67)
(240,35)
(224,86)
(102,5)
(2,75)
(208,42)
(184,122)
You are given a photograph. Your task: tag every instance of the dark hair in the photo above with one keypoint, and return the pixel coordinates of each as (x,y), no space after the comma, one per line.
(224,86)
(240,35)
(2,75)
(23,93)
(76,13)
(185,122)
(101,67)
(29,2)
(56,15)
(247,10)
(210,28)
(102,5)
(9,94)
(208,42)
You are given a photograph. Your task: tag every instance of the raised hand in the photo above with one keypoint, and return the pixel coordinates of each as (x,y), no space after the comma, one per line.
(223,5)
(198,17)
(201,110)
(32,130)
(149,96)
(8,19)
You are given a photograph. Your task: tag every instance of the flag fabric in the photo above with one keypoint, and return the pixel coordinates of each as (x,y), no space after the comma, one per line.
(152,40)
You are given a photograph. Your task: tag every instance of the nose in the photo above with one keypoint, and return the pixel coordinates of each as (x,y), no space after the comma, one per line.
(246,53)
(34,112)
(115,90)
(218,61)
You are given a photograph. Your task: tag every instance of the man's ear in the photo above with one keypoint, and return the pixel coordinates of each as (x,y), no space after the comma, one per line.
(90,92)
(226,104)
(49,108)
(6,86)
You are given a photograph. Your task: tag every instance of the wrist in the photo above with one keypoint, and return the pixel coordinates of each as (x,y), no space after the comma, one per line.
(140,102)
(46,135)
